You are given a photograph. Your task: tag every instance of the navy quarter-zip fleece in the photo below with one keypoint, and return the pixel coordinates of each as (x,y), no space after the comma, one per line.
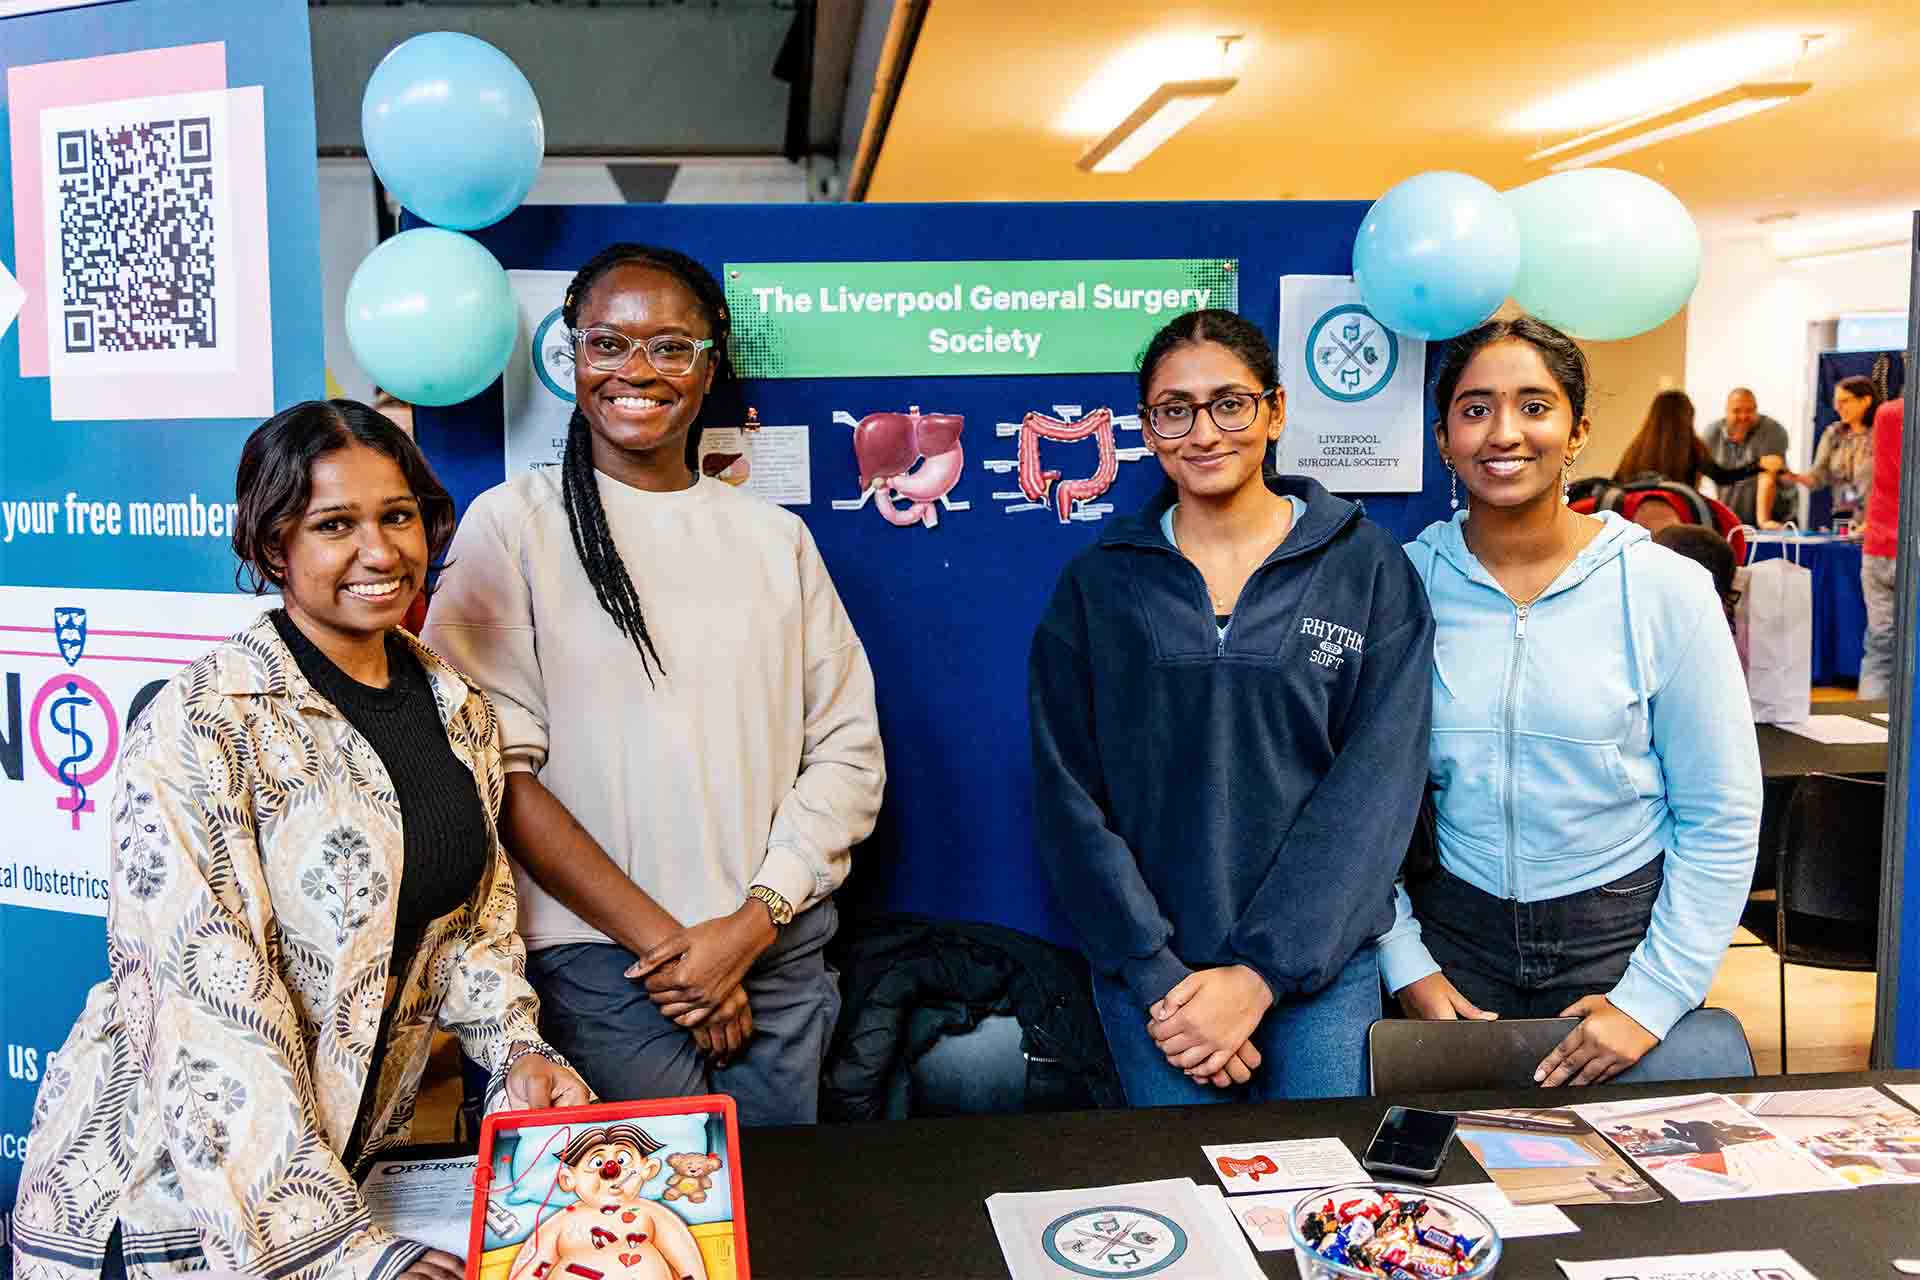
(1204,800)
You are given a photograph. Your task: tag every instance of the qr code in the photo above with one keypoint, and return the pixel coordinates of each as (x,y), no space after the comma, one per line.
(138,236)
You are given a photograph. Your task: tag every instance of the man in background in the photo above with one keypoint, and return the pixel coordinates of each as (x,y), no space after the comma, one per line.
(1741,439)
(1880,550)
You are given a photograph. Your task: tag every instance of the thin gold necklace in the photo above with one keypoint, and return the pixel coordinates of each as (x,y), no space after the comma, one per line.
(1558,569)
(1219,601)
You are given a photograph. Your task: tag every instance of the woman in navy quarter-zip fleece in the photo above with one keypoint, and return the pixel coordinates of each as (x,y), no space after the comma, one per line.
(1230,703)
(1596,781)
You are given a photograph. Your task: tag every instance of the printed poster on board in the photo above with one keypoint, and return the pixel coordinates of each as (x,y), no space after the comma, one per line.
(538,383)
(1356,391)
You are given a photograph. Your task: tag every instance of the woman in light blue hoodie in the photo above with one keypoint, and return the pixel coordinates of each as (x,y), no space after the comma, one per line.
(1594,773)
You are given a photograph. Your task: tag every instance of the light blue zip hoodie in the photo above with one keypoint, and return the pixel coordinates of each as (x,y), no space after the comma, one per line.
(1576,738)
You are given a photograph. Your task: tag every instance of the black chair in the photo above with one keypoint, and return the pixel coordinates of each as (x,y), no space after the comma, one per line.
(1827,879)
(1408,1056)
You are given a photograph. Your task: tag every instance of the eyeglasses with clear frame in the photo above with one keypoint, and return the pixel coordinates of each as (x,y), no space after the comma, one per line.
(608,350)
(1231,411)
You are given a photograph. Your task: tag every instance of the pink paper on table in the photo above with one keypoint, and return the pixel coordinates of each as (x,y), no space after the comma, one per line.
(148,73)
(245,391)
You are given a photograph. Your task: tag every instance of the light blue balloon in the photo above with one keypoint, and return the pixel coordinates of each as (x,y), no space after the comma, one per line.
(431,317)
(453,129)
(1436,255)
(1605,253)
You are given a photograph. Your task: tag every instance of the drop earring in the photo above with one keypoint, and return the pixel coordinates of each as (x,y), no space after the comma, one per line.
(1453,486)
(1566,483)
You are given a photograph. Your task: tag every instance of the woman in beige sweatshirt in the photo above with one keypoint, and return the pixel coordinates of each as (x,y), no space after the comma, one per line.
(687,719)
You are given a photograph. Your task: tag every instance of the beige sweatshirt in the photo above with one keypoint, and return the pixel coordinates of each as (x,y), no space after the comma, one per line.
(755,758)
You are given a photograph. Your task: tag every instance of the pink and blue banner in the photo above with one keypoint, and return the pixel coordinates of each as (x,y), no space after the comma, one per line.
(159,297)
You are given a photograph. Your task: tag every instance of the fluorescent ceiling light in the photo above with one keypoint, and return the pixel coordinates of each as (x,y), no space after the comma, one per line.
(1171,108)
(1843,236)
(1663,80)
(1644,131)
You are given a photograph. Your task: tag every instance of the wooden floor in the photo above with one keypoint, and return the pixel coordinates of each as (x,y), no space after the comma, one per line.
(1829,1011)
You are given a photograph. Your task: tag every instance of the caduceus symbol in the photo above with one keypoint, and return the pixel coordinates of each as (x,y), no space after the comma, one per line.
(79,745)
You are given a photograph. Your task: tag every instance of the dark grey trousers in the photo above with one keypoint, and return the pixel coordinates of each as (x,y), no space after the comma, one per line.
(618,1041)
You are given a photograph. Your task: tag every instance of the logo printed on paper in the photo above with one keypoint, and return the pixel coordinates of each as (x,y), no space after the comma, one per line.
(1350,355)
(551,355)
(1114,1240)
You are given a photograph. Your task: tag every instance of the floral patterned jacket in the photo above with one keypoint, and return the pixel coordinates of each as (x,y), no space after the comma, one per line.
(206,1095)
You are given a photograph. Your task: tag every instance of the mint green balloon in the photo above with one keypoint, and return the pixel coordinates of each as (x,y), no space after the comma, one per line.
(431,317)
(1604,253)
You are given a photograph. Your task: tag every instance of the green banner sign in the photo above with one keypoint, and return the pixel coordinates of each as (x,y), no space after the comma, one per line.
(902,319)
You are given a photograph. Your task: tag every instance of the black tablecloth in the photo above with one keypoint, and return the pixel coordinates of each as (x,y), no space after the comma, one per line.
(906,1200)
(1788,755)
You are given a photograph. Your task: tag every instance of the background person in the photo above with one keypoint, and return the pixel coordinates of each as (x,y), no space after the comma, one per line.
(1880,546)
(1843,464)
(1228,696)
(1710,551)
(1741,439)
(305,882)
(687,716)
(1666,447)
(1595,851)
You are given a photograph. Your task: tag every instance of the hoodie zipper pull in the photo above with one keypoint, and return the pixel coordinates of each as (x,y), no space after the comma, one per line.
(1520,621)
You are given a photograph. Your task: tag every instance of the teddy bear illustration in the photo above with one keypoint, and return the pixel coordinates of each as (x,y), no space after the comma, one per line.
(692,1176)
(612,1232)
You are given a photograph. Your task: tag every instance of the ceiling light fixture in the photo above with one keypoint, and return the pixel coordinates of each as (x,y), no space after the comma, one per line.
(1842,236)
(1740,101)
(1171,108)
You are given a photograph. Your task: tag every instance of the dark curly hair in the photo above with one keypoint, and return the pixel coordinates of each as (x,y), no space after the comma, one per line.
(275,482)
(586,516)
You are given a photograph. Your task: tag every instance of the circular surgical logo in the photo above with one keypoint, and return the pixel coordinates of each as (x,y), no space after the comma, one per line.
(551,353)
(1350,355)
(1114,1240)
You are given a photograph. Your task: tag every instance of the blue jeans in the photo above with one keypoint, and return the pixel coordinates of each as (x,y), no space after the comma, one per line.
(1310,1046)
(1533,959)
(1877,578)
(617,1040)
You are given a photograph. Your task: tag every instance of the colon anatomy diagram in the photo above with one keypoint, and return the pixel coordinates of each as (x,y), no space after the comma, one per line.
(1075,499)
(911,456)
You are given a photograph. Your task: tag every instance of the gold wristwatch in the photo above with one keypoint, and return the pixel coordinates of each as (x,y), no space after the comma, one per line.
(776,903)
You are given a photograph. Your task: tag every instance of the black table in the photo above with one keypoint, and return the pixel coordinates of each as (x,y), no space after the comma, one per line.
(1788,755)
(1785,758)
(906,1200)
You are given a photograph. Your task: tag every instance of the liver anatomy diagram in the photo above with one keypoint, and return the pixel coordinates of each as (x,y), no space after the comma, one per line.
(1070,499)
(913,457)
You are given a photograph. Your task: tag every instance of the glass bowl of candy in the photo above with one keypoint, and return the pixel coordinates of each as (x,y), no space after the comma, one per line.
(1364,1230)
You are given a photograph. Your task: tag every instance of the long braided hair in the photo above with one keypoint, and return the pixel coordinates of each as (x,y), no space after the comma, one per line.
(586,515)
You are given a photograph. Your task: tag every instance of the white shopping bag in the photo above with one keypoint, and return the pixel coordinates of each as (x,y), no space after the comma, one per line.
(1774,632)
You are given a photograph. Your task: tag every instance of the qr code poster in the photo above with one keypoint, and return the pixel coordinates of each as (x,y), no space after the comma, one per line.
(139,235)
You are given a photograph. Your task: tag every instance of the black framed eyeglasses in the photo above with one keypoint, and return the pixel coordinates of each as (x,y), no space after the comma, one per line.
(607,350)
(1233,411)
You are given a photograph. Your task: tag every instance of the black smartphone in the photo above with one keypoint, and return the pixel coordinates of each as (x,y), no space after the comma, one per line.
(1410,1143)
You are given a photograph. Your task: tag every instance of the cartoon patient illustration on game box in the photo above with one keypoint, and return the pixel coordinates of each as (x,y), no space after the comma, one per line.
(612,1231)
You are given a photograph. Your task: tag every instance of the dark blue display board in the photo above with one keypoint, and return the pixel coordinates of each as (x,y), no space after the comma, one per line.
(947,613)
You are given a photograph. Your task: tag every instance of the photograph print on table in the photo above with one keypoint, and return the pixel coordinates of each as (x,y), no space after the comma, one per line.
(1702,1146)
(1860,1134)
(1540,1156)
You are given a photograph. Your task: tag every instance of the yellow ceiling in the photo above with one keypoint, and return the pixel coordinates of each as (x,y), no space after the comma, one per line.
(1343,98)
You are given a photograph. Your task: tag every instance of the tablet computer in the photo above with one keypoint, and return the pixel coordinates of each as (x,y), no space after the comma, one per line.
(611,1191)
